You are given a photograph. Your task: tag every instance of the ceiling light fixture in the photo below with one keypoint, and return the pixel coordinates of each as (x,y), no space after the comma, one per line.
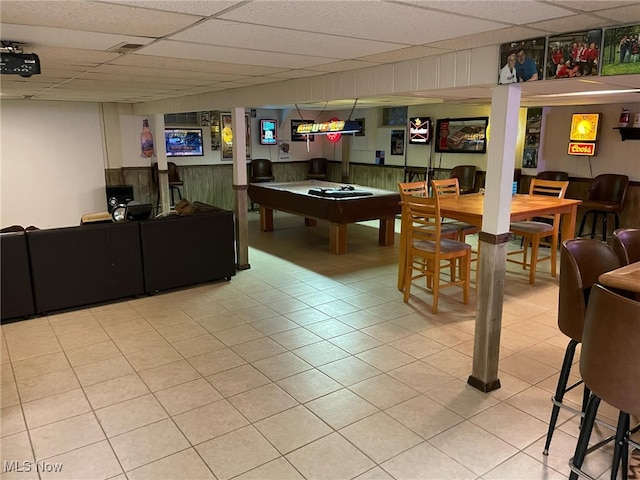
(333,127)
(590,93)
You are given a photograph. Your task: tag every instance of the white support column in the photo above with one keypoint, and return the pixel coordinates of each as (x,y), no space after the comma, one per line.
(505,105)
(161,156)
(240,187)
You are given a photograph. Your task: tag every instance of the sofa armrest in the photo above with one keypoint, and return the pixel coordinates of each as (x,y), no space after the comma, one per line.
(15,283)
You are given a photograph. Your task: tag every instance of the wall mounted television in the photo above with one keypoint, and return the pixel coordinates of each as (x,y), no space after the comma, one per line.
(183,142)
(419,130)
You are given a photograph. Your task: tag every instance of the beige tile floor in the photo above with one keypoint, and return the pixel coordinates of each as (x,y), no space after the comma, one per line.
(308,365)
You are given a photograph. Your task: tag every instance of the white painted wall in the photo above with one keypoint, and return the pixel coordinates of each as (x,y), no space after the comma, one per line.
(52,164)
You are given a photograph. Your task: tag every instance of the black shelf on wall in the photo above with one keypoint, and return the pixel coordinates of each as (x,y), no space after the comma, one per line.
(628,133)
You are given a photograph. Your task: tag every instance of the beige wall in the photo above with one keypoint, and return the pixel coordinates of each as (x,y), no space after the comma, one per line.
(54,156)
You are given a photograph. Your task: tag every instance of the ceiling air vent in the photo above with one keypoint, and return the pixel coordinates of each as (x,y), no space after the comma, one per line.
(125,48)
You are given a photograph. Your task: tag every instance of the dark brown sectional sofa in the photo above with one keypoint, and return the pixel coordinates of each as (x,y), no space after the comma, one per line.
(60,268)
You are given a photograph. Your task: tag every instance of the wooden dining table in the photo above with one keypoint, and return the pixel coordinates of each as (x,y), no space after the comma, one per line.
(470,208)
(624,278)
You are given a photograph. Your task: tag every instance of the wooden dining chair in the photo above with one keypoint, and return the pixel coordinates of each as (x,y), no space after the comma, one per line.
(414,189)
(533,232)
(451,187)
(426,249)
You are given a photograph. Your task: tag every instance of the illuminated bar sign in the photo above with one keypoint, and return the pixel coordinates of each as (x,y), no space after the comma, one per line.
(584,127)
(332,126)
(268,132)
(419,129)
(584,133)
(580,148)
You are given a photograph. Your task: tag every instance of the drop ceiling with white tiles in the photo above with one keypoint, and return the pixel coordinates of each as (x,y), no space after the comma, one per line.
(144,51)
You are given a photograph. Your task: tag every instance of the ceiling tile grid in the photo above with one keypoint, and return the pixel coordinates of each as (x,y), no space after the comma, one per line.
(193,47)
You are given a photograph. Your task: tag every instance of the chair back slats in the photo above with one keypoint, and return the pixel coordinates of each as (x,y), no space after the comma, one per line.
(422,219)
(414,189)
(609,361)
(447,186)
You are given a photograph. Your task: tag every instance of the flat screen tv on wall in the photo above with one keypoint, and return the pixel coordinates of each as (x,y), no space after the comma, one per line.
(183,142)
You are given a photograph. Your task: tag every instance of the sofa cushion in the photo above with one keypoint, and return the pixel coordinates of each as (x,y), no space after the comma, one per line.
(87,264)
(185,250)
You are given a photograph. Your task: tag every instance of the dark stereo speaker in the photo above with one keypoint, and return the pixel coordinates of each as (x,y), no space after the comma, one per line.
(118,195)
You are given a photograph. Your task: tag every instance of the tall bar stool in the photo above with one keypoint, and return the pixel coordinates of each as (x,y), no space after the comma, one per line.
(582,261)
(261,171)
(318,167)
(626,244)
(554,175)
(610,367)
(466,175)
(606,196)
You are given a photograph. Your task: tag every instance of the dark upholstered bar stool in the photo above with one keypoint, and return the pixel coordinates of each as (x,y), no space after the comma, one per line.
(466,175)
(606,196)
(610,367)
(554,175)
(317,169)
(582,261)
(261,171)
(626,244)
(174,181)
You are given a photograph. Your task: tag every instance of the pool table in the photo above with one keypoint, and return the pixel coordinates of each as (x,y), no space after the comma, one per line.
(294,197)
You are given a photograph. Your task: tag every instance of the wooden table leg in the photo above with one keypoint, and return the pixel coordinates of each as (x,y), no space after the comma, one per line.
(568,224)
(337,238)
(266,219)
(386,233)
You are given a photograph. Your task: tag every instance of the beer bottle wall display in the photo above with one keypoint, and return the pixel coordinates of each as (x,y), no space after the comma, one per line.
(146,141)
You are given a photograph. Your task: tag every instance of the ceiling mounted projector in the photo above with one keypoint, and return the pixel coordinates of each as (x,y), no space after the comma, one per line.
(23,64)
(14,62)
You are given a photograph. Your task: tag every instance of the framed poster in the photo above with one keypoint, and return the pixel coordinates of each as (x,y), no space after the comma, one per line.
(573,54)
(532,138)
(462,135)
(521,61)
(227,136)
(621,51)
(295,137)
(397,142)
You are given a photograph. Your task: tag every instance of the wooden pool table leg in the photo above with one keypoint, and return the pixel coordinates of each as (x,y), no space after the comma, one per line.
(386,233)
(338,238)
(266,219)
